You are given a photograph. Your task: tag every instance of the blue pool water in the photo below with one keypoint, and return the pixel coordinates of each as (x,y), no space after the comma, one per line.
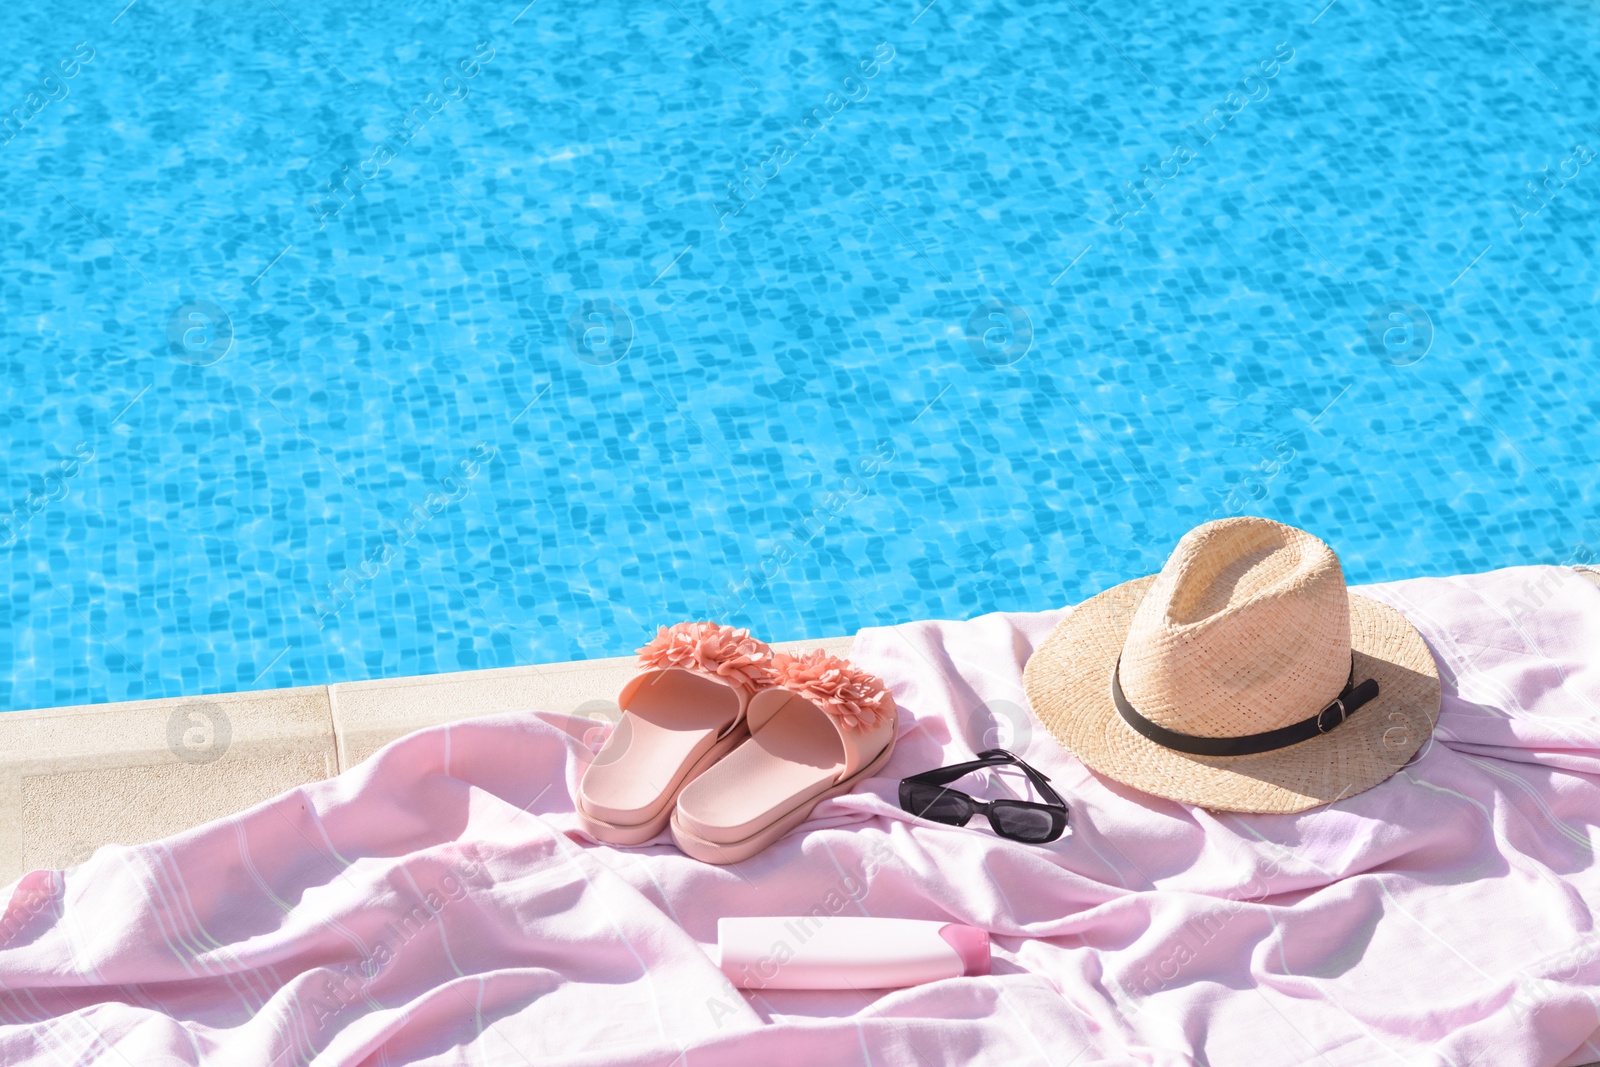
(390,340)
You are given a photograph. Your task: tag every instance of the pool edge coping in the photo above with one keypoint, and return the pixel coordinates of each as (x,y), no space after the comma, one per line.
(75,777)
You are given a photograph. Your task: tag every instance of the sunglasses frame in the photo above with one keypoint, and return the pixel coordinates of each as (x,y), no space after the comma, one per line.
(991,757)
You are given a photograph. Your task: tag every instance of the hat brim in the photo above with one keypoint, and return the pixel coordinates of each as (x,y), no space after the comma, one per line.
(1068,682)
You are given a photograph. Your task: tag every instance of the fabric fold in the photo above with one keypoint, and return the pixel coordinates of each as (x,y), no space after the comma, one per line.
(440,904)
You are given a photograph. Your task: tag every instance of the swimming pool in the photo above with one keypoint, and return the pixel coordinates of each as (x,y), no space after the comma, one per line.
(368,343)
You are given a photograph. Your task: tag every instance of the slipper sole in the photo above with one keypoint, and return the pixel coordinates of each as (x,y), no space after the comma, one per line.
(626,834)
(723,853)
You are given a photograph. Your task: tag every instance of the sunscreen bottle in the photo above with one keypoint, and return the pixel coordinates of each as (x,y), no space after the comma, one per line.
(847,952)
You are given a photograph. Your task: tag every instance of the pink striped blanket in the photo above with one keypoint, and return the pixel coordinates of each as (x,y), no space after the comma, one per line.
(438,904)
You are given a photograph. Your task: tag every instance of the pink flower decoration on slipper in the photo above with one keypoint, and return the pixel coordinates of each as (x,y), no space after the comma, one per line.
(858,700)
(705,647)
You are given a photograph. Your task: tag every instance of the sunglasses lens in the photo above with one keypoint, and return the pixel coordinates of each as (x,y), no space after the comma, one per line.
(936,803)
(1023,822)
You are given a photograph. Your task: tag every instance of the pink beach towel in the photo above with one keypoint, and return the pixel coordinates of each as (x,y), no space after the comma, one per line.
(439,905)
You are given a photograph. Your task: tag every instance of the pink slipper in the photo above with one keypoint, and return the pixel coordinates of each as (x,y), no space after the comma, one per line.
(821,729)
(681,713)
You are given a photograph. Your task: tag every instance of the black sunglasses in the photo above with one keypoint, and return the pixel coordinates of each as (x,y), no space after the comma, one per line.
(925,795)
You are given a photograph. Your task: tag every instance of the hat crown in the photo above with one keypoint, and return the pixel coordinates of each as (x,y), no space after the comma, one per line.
(1246,629)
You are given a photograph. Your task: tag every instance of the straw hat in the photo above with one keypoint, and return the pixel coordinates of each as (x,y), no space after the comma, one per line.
(1243,677)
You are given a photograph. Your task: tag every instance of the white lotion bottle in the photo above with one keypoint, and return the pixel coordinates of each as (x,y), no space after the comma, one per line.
(847,952)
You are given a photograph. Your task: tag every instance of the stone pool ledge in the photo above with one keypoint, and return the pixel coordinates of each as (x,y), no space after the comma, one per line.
(73,779)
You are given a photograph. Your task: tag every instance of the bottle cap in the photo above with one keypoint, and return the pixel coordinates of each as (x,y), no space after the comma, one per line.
(971,944)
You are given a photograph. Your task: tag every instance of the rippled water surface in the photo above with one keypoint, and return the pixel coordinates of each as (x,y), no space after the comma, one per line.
(380,340)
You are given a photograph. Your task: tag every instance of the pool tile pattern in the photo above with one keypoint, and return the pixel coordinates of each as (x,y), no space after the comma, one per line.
(362,343)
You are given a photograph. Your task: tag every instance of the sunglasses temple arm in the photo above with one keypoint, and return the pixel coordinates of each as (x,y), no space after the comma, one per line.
(1042,784)
(946,775)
